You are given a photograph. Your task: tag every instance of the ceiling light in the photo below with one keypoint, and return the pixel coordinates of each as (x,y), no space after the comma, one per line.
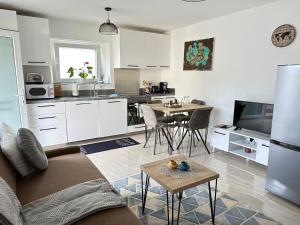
(108,28)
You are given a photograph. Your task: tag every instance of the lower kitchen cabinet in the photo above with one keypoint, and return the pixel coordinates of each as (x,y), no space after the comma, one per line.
(50,134)
(113,117)
(82,120)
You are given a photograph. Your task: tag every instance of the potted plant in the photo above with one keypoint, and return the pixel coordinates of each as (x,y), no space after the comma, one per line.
(82,72)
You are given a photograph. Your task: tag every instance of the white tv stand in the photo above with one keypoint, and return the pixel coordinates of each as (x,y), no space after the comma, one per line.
(236,141)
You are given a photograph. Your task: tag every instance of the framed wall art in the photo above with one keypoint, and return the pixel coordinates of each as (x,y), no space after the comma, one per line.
(198,54)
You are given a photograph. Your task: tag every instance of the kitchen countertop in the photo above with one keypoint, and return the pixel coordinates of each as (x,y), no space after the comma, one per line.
(88,98)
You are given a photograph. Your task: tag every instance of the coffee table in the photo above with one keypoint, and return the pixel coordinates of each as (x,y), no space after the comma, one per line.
(176,185)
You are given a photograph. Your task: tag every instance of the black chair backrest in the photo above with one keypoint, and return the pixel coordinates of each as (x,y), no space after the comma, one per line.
(200,119)
(198,102)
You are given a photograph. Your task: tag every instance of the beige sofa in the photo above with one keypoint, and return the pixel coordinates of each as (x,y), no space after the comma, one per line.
(67,167)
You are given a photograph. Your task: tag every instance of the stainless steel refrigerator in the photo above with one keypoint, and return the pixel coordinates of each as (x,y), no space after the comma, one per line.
(283,173)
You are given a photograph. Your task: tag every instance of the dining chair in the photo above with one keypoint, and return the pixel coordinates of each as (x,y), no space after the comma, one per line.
(152,122)
(198,121)
(184,118)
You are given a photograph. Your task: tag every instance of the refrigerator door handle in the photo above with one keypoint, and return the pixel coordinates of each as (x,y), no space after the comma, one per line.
(285,145)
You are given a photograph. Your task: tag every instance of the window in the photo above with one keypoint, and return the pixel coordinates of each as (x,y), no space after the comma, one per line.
(74,53)
(76,57)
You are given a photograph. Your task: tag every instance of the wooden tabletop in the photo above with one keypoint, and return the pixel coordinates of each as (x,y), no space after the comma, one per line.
(185,108)
(174,185)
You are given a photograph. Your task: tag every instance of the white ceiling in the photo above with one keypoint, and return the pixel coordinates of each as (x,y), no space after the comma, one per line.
(150,14)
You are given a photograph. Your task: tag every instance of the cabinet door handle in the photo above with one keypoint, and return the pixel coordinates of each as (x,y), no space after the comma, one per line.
(36,62)
(132,65)
(51,128)
(151,66)
(47,117)
(140,127)
(45,106)
(217,132)
(84,103)
(113,101)
(265,146)
(164,66)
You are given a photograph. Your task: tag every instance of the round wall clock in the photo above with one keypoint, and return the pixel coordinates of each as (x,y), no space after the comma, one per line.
(283,35)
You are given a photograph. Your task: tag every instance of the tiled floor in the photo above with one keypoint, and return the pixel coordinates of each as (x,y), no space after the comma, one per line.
(243,180)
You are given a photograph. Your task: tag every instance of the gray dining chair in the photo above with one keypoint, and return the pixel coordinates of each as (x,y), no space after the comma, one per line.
(152,122)
(198,121)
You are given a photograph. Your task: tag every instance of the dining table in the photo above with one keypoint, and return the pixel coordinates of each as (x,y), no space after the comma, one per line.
(171,110)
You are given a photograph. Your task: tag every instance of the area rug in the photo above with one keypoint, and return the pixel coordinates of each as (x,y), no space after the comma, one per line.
(108,145)
(195,207)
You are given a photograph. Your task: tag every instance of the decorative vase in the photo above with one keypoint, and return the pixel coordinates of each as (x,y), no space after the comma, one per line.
(184,166)
(75,91)
(172,164)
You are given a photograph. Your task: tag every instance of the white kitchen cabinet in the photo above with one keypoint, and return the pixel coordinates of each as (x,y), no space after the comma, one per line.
(50,135)
(151,51)
(164,50)
(48,122)
(35,40)
(82,120)
(113,117)
(129,52)
(220,139)
(262,153)
(141,50)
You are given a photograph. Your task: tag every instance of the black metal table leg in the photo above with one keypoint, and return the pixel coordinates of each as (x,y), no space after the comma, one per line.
(213,204)
(172,209)
(168,140)
(145,195)
(168,208)
(179,204)
(142,183)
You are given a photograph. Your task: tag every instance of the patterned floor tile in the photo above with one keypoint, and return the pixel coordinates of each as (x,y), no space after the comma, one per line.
(195,207)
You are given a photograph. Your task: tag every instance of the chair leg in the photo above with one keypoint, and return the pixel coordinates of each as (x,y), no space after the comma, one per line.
(206,132)
(155,140)
(203,142)
(159,136)
(182,139)
(197,136)
(191,142)
(148,137)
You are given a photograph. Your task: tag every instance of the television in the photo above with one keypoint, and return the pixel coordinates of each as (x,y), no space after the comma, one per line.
(253,116)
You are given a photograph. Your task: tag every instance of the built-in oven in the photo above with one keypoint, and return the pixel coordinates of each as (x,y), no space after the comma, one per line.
(39,91)
(135,119)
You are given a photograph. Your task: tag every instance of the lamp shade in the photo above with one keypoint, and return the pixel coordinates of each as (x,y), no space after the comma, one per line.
(108,28)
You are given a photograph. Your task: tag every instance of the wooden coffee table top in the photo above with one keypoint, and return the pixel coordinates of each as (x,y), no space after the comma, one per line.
(173,185)
(185,108)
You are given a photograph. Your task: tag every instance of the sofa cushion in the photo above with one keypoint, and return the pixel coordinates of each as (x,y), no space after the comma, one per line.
(31,149)
(7,172)
(63,171)
(10,150)
(10,207)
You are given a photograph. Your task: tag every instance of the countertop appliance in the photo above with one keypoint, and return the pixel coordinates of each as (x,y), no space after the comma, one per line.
(34,78)
(163,87)
(39,91)
(284,156)
(253,116)
(154,89)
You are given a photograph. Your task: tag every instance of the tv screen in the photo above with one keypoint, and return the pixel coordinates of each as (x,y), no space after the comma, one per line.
(253,116)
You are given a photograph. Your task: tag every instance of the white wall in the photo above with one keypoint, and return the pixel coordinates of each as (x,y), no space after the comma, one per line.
(244,58)
(62,29)
(8,20)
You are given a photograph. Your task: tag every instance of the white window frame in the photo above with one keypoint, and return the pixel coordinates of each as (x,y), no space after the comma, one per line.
(56,43)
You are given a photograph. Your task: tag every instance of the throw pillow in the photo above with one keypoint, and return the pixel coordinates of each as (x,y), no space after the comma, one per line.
(10,207)
(31,149)
(11,152)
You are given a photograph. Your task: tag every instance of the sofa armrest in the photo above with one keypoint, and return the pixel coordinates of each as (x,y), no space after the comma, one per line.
(62,151)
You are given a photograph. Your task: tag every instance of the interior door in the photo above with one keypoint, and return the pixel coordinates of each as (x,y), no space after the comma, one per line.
(12,101)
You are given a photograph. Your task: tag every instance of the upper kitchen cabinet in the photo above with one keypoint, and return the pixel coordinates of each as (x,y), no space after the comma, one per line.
(129,49)
(164,50)
(142,50)
(35,40)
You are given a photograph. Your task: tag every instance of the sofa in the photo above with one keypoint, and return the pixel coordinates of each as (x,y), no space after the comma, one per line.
(66,167)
